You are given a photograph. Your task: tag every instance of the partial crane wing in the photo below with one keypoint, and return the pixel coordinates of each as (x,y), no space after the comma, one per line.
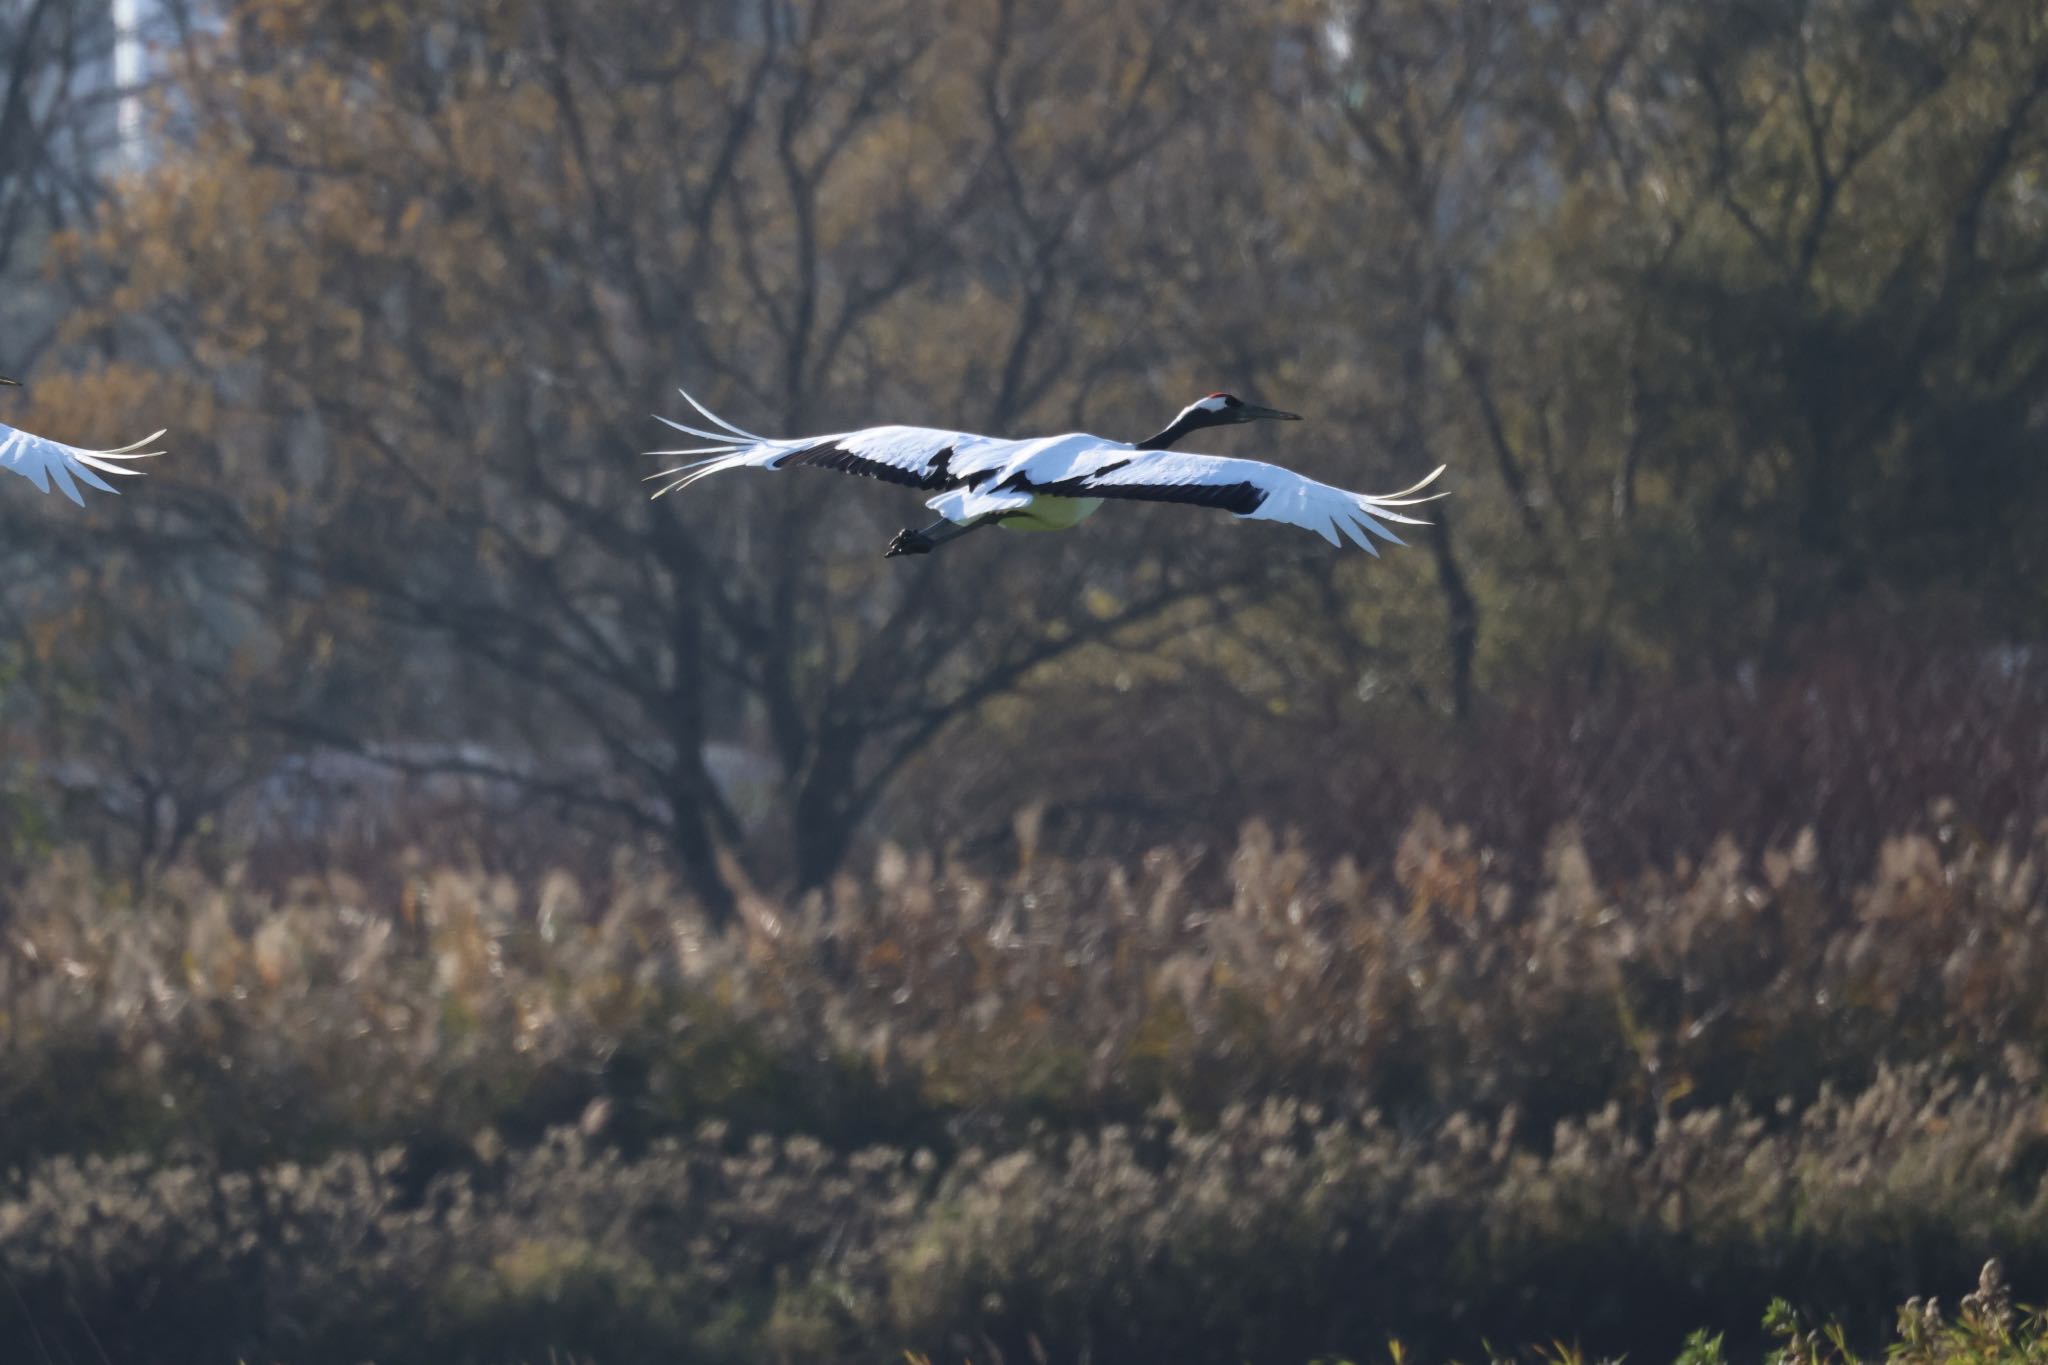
(915,457)
(42,460)
(1251,489)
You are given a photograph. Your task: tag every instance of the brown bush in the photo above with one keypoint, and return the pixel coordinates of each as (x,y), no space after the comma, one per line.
(1871,728)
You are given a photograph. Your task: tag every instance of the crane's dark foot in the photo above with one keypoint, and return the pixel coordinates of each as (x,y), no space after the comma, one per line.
(909,542)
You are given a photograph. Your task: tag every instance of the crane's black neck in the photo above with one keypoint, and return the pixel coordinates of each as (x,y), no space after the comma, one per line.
(1193,420)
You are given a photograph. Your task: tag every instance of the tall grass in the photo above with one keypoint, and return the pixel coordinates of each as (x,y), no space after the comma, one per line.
(1089,1110)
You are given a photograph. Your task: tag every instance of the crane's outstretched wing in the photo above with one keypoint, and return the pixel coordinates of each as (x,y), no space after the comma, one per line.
(1249,488)
(916,457)
(41,459)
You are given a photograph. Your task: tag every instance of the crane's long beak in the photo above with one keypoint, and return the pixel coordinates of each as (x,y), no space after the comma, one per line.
(1252,412)
(10,383)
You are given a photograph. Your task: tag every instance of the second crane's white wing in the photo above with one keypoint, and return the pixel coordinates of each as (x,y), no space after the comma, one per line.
(43,461)
(1249,488)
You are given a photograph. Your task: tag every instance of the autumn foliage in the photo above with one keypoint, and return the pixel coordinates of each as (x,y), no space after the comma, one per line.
(1728,325)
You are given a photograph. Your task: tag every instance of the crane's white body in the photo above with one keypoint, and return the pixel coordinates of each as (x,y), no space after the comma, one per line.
(1050,482)
(43,461)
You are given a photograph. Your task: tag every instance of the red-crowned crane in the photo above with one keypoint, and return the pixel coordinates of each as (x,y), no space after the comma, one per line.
(41,459)
(1051,482)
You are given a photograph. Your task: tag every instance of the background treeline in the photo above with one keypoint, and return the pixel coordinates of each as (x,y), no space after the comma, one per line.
(1730,319)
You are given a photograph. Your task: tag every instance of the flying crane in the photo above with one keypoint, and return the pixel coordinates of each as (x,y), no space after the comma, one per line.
(42,460)
(1053,482)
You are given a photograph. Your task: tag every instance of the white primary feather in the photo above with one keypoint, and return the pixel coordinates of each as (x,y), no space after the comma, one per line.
(909,451)
(977,476)
(42,461)
(1287,496)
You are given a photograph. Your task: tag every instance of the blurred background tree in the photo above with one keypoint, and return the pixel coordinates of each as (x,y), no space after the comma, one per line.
(1730,321)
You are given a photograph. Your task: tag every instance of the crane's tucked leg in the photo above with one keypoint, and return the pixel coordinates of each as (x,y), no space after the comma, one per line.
(909,542)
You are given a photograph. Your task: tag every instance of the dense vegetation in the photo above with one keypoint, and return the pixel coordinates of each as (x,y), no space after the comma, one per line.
(1266,1110)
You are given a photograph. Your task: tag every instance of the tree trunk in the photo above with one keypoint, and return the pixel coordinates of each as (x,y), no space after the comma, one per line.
(695,848)
(692,799)
(825,819)
(1461,634)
